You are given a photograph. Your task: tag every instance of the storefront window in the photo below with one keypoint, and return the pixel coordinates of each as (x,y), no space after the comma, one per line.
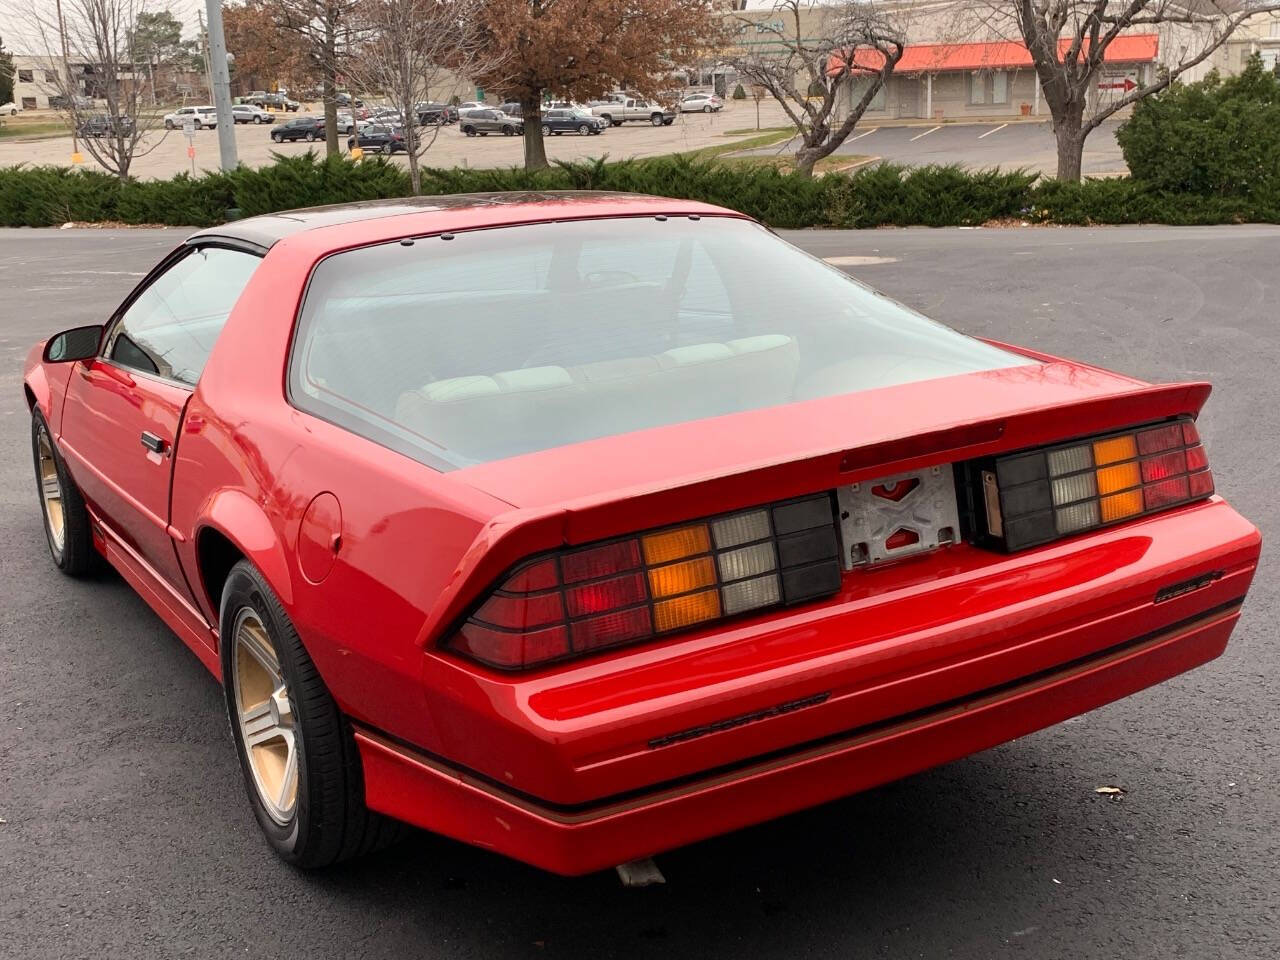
(988,86)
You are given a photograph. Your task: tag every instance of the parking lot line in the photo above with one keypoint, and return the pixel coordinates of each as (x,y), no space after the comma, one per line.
(865,134)
(990,132)
(926,133)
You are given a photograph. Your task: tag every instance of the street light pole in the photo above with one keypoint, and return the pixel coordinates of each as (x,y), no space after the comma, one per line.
(220,78)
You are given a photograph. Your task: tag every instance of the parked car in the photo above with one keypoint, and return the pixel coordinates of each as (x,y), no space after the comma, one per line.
(10,108)
(379,138)
(279,103)
(346,100)
(436,113)
(310,129)
(248,113)
(472,105)
(513,108)
(611,561)
(563,120)
(203,116)
(349,123)
(635,108)
(485,122)
(700,103)
(102,125)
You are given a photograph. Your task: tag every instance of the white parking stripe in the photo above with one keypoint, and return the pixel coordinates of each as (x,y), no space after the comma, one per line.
(866,134)
(990,132)
(925,134)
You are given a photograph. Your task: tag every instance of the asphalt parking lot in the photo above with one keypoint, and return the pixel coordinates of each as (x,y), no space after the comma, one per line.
(124,831)
(1008,145)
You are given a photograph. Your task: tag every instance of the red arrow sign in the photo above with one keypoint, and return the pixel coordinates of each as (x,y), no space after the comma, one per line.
(1126,85)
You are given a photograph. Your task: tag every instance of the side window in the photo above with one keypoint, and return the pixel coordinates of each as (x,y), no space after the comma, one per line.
(170,329)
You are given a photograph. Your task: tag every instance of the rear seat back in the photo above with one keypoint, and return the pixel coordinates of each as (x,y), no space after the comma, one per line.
(514,411)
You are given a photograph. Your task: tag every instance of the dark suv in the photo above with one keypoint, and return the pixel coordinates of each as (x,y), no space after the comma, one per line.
(485,122)
(310,129)
(571,120)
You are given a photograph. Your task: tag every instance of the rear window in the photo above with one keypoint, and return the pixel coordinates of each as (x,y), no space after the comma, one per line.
(505,341)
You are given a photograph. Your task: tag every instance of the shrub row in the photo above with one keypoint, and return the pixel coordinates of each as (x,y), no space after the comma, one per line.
(872,196)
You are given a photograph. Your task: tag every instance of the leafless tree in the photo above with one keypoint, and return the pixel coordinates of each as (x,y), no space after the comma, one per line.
(414,50)
(810,54)
(1069,39)
(326,30)
(96,62)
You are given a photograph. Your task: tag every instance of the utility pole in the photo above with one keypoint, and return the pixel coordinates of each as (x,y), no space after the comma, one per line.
(204,53)
(66,66)
(220,80)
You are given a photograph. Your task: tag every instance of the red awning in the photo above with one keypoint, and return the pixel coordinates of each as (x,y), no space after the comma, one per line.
(1001,55)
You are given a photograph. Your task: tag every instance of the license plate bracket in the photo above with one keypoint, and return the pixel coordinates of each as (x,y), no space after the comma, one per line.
(898,516)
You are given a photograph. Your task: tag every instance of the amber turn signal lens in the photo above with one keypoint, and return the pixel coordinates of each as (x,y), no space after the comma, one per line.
(687,610)
(1121,505)
(677,578)
(1114,449)
(671,545)
(1120,477)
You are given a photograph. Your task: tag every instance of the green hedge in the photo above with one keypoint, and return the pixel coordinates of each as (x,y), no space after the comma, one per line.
(873,196)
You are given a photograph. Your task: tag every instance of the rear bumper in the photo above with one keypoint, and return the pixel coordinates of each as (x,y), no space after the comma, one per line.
(580,838)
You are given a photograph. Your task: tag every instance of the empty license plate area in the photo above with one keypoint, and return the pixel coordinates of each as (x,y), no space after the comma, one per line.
(897,516)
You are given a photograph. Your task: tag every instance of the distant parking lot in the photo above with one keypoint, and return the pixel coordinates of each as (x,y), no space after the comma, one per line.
(997,144)
(163,155)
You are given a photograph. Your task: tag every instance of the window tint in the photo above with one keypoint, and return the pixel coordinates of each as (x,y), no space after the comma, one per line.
(504,341)
(171,327)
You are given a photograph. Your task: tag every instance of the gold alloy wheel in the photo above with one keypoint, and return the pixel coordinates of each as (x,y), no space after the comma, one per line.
(51,492)
(264,717)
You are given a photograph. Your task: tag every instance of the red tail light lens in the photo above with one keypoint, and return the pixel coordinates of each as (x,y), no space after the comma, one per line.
(633,589)
(1068,488)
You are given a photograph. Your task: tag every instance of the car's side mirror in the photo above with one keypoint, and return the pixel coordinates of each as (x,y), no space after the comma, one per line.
(78,343)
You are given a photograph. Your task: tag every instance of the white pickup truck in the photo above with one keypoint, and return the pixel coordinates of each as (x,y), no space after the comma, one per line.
(619,111)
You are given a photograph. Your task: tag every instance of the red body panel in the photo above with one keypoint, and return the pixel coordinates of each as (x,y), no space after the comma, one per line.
(556,766)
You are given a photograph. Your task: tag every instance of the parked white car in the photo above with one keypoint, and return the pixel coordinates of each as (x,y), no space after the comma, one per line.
(700,103)
(10,108)
(205,116)
(248,113)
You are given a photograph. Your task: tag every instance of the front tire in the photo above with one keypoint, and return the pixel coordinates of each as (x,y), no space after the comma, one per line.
(583,130)
(278,138)
(297,753)
(311,137)
(66,519)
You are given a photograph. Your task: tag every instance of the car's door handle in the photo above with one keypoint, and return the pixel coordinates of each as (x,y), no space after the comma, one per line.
(153,443)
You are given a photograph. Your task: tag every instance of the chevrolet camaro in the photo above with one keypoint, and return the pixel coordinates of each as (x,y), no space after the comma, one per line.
(583,526)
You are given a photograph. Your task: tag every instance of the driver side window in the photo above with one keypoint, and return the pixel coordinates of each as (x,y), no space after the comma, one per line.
(170,329)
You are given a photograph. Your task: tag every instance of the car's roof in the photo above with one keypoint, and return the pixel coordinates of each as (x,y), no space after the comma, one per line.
(451,213)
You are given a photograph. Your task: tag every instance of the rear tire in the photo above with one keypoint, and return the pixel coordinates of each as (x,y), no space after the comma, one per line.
(315,816)
(707,108)
(311,136)
(66,519)
(469,131)
(546,131)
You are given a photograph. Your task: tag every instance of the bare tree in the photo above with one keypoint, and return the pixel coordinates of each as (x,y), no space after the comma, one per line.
(99,62)
(1069,39)
(808,61)
(325,29)
(414,50)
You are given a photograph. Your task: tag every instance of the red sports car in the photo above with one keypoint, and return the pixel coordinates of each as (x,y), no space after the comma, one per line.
(580,527)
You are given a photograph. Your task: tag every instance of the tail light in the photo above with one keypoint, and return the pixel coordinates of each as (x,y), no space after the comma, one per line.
(1034,497)
(625,591)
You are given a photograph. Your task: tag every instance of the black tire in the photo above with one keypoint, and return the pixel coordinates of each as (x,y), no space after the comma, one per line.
(278,138)
(77,555)
(546,130)
(668,121)
(616,123)
(168,124)
(508,131)
(707,108)
(329,822)
(311,136)
(607,118)
(259,119)
(656,119)
(469,131)
(583,130)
